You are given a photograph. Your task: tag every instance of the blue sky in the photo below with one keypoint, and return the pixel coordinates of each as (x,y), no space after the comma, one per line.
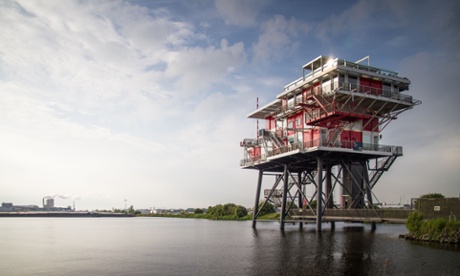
(102,101)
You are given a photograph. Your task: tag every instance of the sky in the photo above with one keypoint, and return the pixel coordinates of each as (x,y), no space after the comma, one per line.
(146,101)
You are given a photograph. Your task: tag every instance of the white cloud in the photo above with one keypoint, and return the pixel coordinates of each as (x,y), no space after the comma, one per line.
(279,37)
(92,95)
(112,100)
(197,68)
(239,12)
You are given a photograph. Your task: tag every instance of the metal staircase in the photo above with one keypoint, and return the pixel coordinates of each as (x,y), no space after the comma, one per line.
(334,134)
(381,167)
(276,140)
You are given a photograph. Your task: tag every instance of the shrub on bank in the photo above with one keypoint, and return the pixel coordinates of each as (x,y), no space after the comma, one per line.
(268,208)
(226,211)
(440,229)
(414,222)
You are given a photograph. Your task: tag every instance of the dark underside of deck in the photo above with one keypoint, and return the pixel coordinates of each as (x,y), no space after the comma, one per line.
(306,160)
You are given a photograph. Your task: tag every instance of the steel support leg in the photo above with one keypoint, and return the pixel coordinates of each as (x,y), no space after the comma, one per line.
(319,194)
(256,205)
(285,190)
(329,192)
(300,201)
(368,191)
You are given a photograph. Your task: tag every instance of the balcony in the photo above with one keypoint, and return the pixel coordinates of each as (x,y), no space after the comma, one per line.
(342,93)
(344,145)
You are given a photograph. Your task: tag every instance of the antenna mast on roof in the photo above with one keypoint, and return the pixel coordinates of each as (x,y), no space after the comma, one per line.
(363,59)
(257,107)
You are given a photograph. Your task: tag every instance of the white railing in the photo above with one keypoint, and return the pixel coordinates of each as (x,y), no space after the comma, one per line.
(355,88)
(344,144)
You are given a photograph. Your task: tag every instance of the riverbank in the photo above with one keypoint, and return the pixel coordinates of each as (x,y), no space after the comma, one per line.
(196,216)
(272,216)
(63,214)
(439,230)
(445,239)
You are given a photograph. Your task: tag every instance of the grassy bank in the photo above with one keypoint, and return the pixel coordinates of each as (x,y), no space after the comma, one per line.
(197,216)
(273,216)
(435,230)
(228,211)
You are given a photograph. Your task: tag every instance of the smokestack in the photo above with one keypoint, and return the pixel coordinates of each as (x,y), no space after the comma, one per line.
(47,198)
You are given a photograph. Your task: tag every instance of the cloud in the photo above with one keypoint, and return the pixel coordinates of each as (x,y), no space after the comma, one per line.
(116,99)
(429,132)
(95,96)
(279,37)
(239,12)
(197,68)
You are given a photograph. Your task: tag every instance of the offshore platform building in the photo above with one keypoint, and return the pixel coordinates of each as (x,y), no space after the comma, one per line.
(324,129)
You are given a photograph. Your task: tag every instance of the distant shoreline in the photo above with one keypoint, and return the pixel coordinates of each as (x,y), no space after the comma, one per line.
(62,214)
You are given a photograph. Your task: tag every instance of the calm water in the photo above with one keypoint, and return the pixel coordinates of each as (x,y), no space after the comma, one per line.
(161,246)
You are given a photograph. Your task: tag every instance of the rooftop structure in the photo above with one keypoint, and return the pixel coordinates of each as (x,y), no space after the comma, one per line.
(328,122)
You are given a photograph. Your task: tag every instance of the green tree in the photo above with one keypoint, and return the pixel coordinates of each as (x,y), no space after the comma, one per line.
(432,195)
(226,211)
(414,222)
(240,211)
(216,211)
(229,208)
(198,211)
(313,204)
(267,209)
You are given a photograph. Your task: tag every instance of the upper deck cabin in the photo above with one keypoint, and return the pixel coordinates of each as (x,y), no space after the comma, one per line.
(328,76)
(334,104)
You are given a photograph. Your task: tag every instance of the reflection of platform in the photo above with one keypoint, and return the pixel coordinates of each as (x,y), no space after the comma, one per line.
(352,215)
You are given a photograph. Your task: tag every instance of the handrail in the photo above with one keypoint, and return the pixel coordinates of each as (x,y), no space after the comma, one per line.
(347,87)
(355,88)
(344,63)
(344,144)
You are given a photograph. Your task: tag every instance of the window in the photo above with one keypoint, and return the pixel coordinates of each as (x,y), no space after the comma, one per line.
(326,86)
(353,83)
(298,122)
(386,87)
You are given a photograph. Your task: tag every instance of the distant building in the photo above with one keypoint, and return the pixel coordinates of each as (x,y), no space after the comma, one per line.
(438,207)
(6,207)
(49,203)
(9,207)
(49,206)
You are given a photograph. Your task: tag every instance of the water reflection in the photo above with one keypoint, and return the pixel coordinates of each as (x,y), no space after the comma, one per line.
(357,250)
(346,251)
(155,246)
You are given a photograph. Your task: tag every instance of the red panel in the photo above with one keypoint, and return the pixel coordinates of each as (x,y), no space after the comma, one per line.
(298,117)
(269,123)
(290,125)
(364,82)
(348,138)
(307,136)
(370,86)
(255,153)
(371,125)
(376,87)
(356,136)
(311,138)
